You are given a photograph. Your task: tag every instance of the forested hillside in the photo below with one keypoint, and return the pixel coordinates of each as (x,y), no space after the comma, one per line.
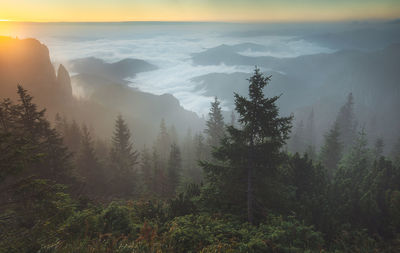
(69,184)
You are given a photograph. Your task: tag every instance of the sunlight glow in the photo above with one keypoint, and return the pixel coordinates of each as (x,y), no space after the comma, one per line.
(198,10)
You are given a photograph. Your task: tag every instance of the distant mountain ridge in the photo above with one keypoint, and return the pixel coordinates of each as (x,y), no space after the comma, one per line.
(320,81)
(117,71)
(27,62)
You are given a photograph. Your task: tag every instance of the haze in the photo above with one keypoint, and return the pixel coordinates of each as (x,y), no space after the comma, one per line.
(200,126)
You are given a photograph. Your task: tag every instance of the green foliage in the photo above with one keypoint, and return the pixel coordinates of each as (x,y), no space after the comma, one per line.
(353,200)
(215,124)
(123,160)
(38,209)
(174,169)
(347,123)
(203,233)
(252,152)
(331,151)
(28,143)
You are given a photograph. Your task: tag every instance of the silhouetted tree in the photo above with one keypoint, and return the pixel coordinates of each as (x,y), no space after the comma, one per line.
(331,151)
(298,142)
(162,145)
(146,167)
(215,124)
(123,159)
(347,122)
(174,169)
(87,164)
(253,152)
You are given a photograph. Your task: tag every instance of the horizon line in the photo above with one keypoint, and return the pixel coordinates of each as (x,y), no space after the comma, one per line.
(210,21)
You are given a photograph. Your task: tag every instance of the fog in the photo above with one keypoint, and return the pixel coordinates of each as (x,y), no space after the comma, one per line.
(197,61)
(133,137)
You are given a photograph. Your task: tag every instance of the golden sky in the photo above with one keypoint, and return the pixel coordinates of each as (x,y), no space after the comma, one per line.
(197,10)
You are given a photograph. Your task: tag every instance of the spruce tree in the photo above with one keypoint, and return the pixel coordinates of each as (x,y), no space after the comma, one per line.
(309,132)
(87,164)
(349,179)
(252,153)
(29,144)
(298,143)
(331,151)
(72,137)
(347,122)
(162,145)
(174,169)
(123,159)
(146,168)
(215,124)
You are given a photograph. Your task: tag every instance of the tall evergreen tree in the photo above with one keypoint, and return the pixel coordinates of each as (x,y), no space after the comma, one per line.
(298,142)
(347,122)
(123,159)
(28,144)
(162,145)
(55,164)
(87,164)
(72,137)
(310,129)
(173,134)
(253,152)
(215,124)
(349,181)
(146,167)
(174,169)
(331,151)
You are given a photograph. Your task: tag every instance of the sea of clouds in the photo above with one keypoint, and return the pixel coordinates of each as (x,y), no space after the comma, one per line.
(169,47)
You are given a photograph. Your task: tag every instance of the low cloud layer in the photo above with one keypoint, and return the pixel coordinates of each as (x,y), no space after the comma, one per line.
(169,48)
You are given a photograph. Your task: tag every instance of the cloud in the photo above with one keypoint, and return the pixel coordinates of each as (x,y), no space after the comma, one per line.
(167,46)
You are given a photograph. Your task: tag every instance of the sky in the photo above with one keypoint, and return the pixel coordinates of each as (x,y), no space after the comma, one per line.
(197,10)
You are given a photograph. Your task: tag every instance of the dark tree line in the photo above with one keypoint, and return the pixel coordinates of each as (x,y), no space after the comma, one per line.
(233,187)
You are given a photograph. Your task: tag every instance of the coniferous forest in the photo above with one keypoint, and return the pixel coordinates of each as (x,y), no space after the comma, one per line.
(199,126)
(236,187)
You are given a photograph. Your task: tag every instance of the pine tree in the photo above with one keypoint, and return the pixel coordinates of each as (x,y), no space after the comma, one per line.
(253,152)
(298,143)
(173,134)
(163,145)
(359,153)
(146,167)
(215,124)
(189,162)
(174,169)
(349,180)
(310,131)
(28,143)
(331,151)
(72,137)
(347,122)
(123,159)
(87,164)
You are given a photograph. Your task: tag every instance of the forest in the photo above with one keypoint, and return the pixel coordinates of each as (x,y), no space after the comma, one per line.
(255,184)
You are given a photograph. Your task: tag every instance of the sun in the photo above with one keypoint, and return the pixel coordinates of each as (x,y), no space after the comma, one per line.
(4,20)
